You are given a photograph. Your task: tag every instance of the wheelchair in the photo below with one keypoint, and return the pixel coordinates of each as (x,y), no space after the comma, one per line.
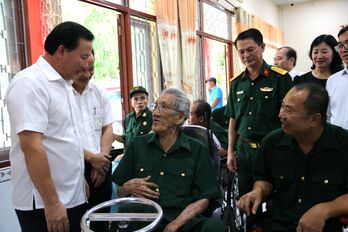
(227,210)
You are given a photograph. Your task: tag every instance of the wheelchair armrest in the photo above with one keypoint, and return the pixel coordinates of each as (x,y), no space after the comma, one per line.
(343,219)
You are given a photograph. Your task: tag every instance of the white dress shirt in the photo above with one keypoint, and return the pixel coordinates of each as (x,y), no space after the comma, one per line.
(337,87)
(95,113)
(38,99)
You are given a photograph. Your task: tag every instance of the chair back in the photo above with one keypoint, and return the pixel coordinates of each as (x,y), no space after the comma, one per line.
(203,135)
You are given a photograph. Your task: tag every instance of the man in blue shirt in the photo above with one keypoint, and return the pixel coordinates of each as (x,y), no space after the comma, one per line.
(215,94)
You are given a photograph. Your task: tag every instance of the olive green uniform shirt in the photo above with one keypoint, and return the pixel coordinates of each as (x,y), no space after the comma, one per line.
(184,174)
(137,126)
(255,104)
(220,133)
(220,118)
(301,181)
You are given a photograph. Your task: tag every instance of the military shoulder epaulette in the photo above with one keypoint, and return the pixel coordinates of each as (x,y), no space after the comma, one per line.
(239,74)
(279,70)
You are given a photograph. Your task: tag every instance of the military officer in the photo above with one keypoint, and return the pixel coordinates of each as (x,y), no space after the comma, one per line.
(139,121)
(302,167)
(253,104)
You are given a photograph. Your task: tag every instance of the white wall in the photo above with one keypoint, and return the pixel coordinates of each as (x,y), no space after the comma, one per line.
(305,21)
(267,10)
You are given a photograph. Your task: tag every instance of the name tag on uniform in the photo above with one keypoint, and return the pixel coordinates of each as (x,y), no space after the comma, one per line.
(266,89)
(240,92)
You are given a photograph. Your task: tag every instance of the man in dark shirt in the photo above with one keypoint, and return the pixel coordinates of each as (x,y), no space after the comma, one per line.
(139,121)
(302,167)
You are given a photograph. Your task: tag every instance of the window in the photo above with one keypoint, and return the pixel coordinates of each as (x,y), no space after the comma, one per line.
(12,60)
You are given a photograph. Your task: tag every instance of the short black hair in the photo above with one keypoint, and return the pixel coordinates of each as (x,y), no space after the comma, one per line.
(251,33)
(203,109)
(67,34)
(336,63)
(317,100)
(290,53)
(343,29)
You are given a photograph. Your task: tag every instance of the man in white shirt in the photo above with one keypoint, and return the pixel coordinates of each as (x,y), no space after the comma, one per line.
(337,85)
(46,153)
(95,126)
(285,58)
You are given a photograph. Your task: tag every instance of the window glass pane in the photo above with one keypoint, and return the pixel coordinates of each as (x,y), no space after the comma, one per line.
(145,56)
(146,6)
(119,2)
(215,63)
(216,22)
(9,63)
(103,23)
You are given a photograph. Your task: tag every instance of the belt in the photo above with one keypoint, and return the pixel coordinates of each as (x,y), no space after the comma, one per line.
(252,144)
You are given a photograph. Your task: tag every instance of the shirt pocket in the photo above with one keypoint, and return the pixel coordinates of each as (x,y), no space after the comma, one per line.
(282,179)
(240,103)
(180,180)
(143,171)
(268,105)
(98,122)
(326,187)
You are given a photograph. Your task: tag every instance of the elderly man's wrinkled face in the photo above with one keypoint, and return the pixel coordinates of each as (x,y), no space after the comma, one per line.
(294,117)
(165,116)
(139,102)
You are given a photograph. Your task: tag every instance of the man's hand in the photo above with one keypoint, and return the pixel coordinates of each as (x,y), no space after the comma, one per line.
(250,202)
(141,187)
(100,162)
(231,161)
(97,178)
(56,218)
(313,220)
(171,227)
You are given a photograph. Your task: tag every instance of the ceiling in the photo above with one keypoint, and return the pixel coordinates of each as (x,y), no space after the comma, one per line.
(289,2)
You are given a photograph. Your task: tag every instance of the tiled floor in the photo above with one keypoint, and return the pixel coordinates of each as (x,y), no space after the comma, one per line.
(8,218)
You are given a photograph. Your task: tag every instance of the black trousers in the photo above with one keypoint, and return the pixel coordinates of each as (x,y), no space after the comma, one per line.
(98,195)
(35,220)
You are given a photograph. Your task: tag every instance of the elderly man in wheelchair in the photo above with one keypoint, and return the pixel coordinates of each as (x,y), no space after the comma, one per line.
(302,167)
(171,169)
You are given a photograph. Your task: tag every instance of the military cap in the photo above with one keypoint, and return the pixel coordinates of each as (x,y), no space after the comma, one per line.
(137,89)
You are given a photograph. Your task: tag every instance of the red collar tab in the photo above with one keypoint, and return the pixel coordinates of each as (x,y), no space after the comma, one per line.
(265,72)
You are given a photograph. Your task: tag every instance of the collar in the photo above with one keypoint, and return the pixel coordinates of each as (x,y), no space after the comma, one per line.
(51,73)
(144,114)
(87,89)
(325,140)
(345,71)
(181,142)
(264,71)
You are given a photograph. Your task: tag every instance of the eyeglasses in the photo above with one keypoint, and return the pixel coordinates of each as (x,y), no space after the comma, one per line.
(340,46)
(162,107)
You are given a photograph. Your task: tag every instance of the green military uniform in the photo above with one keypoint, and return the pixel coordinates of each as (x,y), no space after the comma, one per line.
(184,174)
(255,105)
(220,133)
(137,126)
(301,181)
(220,118)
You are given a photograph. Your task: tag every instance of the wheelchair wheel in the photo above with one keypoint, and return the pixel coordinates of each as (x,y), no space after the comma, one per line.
(234,218)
